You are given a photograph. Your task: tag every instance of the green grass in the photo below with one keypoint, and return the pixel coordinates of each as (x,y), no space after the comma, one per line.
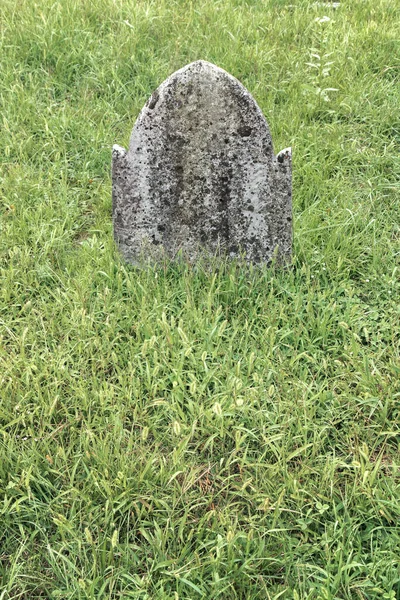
(182,433)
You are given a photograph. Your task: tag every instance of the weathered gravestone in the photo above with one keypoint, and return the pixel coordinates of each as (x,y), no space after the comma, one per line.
(200,175)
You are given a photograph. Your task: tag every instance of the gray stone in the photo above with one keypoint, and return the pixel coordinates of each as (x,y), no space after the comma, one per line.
(200,175)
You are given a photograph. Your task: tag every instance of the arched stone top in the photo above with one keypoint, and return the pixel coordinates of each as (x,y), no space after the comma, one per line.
(214,94)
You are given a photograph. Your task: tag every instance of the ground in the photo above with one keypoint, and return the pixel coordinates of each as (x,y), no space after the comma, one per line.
(185,433)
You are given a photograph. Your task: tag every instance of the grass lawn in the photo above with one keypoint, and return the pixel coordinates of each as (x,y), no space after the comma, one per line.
(179,433)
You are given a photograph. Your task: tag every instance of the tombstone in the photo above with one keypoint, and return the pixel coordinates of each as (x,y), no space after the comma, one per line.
(200,176)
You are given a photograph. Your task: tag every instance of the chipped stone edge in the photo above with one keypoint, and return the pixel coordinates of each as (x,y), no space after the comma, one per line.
(284,155)
(118,152)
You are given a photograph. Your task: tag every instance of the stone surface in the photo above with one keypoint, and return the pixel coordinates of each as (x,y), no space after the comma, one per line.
(200,175)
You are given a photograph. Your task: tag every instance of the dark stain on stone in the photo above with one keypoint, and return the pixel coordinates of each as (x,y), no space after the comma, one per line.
(244,131)
(153,100)
(224,195)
